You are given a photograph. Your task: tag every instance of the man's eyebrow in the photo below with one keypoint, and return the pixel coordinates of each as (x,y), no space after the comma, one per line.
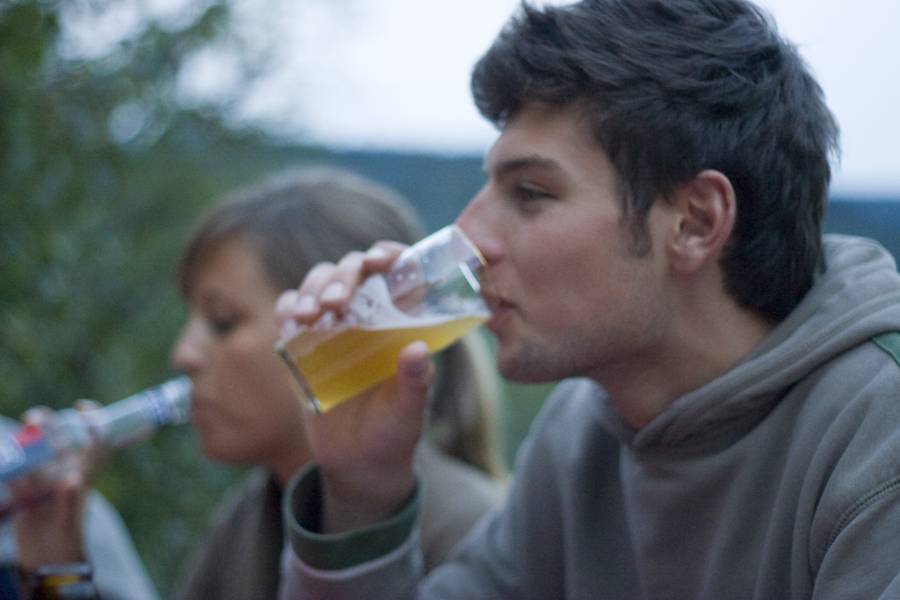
(518,163)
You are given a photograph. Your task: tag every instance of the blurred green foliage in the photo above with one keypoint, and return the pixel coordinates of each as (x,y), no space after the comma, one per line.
(102,172)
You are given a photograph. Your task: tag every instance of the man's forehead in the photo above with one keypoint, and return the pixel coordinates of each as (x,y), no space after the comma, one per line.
(540,137)
(499,165)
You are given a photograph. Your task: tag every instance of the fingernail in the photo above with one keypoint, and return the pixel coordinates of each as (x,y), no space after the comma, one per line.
(420,366)
(286,303)
(334,291)
(375,254)
(289,329)
(306,304)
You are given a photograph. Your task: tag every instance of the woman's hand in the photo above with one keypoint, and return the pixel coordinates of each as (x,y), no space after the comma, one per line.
(49,503)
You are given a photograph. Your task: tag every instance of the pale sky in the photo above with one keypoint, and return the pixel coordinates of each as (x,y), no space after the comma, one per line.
(393,74)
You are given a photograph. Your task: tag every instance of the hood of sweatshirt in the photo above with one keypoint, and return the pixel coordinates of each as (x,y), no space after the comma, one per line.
(856,297)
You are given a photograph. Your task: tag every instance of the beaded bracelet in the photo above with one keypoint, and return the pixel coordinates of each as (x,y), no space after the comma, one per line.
(72,581)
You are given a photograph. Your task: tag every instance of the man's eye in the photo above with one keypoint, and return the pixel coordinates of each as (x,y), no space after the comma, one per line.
(529,194)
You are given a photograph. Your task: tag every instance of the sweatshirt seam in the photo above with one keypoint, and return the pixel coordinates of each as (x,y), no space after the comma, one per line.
(773,368)
(851,317)
(890,343)
(877,494)
(816,339)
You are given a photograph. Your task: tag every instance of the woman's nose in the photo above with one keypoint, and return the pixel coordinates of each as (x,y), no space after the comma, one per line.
(187,353)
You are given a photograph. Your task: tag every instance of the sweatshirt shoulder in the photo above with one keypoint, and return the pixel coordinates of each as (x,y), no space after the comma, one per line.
(859,446)
(567,428)
(573,404)
(890,343)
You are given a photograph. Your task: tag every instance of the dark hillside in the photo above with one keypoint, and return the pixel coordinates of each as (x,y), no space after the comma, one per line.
(441,186)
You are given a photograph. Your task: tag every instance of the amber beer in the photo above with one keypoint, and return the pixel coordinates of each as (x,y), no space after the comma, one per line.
(355,359)
(431,293)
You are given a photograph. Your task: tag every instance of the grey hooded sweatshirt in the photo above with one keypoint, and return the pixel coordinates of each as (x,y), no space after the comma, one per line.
(779,479)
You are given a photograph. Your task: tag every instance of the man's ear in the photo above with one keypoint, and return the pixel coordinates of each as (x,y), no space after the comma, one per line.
(706,210)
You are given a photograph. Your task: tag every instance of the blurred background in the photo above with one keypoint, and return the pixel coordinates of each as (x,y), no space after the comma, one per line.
(120,120)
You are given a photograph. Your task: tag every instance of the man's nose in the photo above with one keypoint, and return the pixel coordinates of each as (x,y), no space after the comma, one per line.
(478,222)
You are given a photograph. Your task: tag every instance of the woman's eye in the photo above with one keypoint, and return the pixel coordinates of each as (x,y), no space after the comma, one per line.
(223,326)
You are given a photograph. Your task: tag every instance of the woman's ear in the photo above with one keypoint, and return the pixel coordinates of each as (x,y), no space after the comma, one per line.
(706,210)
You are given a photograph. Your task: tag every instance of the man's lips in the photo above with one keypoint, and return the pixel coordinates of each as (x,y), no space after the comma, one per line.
(493,301)
(500,310)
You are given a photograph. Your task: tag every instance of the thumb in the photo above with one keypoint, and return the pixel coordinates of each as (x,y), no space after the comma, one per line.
(415,372)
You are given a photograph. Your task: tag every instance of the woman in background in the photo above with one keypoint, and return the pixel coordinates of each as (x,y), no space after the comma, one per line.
(247,250)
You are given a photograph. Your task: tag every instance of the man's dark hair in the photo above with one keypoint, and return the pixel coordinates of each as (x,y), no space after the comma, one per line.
(673,87)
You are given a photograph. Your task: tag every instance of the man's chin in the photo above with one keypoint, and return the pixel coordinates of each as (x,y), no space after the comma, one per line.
(523,369)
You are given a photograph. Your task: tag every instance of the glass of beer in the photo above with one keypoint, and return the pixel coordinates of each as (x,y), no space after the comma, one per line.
(431,293)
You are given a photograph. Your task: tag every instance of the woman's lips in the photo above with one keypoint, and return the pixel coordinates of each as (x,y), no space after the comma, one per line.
(198,409)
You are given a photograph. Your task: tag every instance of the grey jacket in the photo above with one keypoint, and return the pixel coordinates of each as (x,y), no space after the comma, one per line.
(779,479)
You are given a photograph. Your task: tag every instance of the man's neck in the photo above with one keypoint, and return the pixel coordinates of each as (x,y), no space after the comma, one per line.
(699,346)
